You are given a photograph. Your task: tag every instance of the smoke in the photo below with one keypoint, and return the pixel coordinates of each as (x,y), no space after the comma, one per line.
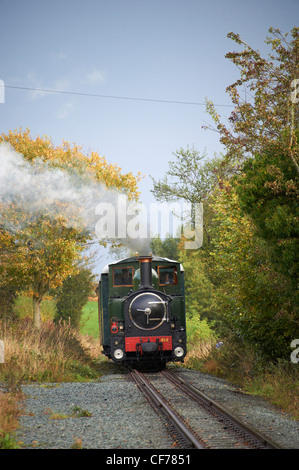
(29,190)
(38,188)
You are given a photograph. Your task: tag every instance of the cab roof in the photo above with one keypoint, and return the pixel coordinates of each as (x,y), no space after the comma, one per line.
(133,259)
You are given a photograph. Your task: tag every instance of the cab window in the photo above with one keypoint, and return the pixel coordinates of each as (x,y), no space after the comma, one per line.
(167,275)
(123,277)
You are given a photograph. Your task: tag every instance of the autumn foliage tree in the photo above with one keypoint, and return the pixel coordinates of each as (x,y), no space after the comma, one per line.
(245,275)
(42,238)
(41,255)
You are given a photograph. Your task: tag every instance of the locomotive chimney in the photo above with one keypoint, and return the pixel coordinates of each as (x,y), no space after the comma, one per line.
(145,264)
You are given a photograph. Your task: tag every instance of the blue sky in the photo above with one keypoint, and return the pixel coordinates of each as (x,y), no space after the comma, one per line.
(153,49)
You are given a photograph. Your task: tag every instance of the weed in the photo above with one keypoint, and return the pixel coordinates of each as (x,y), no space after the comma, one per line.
(9,413)
(8,442)
(58,416)
(77,444)
(78,412)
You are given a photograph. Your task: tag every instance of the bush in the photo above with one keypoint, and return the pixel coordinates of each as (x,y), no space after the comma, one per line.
(8,295)
(72,296)
(200,341)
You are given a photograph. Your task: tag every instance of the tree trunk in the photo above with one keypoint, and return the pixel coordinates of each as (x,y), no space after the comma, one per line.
(36,311)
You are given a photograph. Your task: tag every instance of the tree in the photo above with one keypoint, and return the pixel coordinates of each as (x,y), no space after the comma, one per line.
(269,103)
(253,299)
(255,258)
(8,288)
(191,177)
(167,248)
(268,192)
(245,274)
(43,228)
(198,285)
(41,254)
(71,158)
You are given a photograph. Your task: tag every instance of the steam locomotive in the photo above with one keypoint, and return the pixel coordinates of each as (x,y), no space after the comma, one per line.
(142,311)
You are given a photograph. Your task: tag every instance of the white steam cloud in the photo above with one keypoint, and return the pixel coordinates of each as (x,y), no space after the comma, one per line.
(38,188)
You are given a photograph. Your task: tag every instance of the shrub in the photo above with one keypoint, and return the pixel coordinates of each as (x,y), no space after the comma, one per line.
(8,295)
(72,296)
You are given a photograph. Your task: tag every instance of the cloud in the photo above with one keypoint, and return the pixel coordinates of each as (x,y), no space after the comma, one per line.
(61,84)
(35,82)
(65,110)
(80,79)
(95,77)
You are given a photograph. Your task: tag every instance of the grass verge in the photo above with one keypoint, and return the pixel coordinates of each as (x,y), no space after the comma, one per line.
(53,353)
(276,382)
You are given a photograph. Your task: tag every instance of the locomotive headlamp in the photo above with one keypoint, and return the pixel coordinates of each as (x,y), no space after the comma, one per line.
(179,351)
(114,326)
(118,354)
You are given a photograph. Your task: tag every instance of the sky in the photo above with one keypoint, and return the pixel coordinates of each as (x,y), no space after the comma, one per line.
(154,62)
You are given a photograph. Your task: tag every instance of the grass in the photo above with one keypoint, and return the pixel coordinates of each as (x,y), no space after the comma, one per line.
(89,320)
(278,383)
(54,353)
(77,412)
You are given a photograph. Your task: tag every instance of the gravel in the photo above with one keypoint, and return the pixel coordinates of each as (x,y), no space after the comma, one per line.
(120,417)
(253,410)
(117,416)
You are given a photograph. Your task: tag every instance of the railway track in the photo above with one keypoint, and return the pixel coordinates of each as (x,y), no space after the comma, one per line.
(192,418)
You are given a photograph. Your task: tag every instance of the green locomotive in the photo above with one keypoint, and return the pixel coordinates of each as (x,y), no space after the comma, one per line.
(142,311)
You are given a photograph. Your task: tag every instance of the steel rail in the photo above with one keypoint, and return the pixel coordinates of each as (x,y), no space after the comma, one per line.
(194,393)
(154,396)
